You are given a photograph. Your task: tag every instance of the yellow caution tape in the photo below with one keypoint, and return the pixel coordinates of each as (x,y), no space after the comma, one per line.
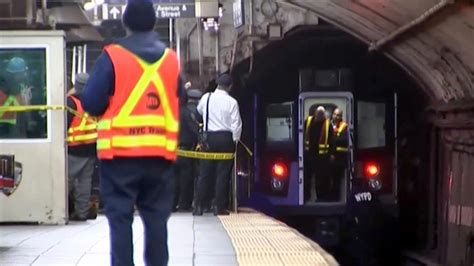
(29,108)
(181,153)
(205,155)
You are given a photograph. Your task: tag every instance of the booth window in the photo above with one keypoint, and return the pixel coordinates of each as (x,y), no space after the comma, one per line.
(23,82)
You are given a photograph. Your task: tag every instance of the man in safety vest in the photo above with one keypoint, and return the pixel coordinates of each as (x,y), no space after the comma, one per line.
(134,89)
(341,143)
(81,140)
(12,94)
(318,153)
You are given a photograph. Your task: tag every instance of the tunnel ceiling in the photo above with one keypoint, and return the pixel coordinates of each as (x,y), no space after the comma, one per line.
(438,53)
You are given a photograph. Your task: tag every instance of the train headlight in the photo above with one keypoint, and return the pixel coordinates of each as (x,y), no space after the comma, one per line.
(279,171)
(371,170)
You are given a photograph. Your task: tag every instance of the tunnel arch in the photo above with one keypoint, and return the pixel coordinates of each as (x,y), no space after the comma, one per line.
(435,54)
(321,42)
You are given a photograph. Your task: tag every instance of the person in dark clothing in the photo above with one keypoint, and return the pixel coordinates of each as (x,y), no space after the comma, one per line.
(82,136)
(188,138)
(341,143)
(362,224)
(138,170)
(319,152)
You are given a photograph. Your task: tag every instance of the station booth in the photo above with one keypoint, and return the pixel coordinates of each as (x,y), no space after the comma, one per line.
(33,179)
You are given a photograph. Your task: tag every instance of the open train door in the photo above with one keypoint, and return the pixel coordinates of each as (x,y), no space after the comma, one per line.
(308,102)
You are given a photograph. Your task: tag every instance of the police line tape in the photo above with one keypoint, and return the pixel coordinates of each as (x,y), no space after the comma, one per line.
(205,155)
(29,108)
(181,153)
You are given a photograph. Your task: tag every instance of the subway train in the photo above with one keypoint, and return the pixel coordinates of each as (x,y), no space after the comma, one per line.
(274,181)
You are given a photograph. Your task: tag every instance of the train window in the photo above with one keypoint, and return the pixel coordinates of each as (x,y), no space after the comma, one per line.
(370,125)
(23,82)
(279,122)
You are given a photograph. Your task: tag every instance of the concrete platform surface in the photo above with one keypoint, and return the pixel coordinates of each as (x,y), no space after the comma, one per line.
(192,240)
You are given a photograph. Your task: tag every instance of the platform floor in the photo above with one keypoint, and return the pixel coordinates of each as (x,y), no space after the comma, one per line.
(192,241)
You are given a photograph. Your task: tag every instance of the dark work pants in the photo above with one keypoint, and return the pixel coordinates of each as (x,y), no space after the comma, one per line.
(216,171)
(148,184)
(185,174)
(319,168)
(337,176)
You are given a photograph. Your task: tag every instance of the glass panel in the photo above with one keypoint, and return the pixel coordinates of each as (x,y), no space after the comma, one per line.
(278,129)
(370,125)
(279,122)
(23,82)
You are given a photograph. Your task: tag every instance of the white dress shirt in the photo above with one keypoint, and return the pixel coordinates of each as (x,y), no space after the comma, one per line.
(224,113)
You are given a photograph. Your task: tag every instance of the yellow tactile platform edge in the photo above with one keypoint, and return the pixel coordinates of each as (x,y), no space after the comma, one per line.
(262,240)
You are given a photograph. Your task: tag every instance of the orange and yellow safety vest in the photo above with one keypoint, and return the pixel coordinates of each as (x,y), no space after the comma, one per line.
(5,101)
(83,130)
(142,117)
(338,129)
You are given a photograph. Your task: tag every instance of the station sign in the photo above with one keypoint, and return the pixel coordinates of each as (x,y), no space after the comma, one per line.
(114,9)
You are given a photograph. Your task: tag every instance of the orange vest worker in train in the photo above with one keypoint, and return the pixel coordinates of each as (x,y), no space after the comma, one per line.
(341,143)
(81,140)
(134,89)
(341,135)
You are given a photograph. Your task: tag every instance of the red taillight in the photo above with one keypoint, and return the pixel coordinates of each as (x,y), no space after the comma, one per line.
(279,170)
(371,170)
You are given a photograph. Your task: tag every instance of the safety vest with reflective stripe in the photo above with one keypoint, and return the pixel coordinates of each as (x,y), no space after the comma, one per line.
(323,138)
(82,131)
(338,130)
(5,101)
(142,117)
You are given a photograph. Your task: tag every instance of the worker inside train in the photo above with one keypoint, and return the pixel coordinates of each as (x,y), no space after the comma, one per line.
(341,158)
(318,155)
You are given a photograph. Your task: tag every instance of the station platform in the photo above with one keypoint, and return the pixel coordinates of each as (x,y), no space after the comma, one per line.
(246,238)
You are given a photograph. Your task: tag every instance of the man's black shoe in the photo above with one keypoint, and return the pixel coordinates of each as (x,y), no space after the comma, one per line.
(197,211)
(220,212)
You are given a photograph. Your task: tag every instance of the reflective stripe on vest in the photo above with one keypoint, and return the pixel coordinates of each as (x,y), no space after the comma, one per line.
(323,138)
(81,131)
(306,139)
(142,117)
(9,117)
(338,131)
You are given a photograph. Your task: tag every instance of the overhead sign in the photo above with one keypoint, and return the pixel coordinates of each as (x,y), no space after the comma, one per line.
(114,9)
(238,11)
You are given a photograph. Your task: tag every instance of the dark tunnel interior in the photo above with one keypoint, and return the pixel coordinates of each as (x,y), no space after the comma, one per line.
(274,78)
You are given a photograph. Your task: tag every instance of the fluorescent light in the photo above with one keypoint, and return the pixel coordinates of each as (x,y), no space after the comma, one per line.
(89,6)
